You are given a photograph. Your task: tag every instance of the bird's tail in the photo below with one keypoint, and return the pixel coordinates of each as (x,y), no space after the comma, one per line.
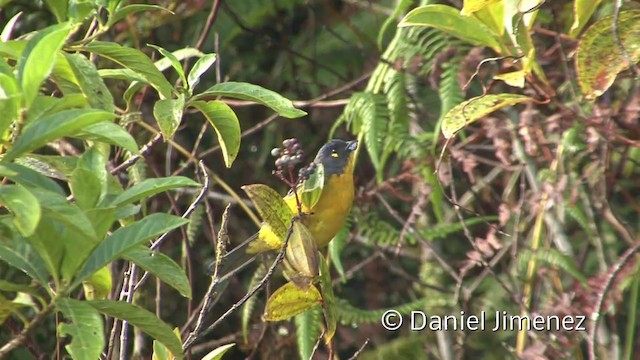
(233,261)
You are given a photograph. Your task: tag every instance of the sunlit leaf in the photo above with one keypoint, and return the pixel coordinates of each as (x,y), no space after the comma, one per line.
(168,114)
(258,94)
(301,252)
(582,11)
(24,207)
(271,207)
(291,300)
(225,122)
(476,108)
(98,285)
(150,187)
(312,187)
(160,266)
(200,67)
(449,20)
(471,6)
(515,78)
(217,353)
(599,59)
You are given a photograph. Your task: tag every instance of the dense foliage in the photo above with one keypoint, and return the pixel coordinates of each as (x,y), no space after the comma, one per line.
(499,147)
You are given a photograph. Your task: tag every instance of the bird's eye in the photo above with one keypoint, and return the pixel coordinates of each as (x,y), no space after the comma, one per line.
(334,153)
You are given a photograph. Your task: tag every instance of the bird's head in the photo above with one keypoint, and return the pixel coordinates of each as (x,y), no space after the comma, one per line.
(336,156)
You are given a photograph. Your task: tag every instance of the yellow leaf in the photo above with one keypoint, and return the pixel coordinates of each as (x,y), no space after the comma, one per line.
(471,6)
(476,108)
(515,79)
(291,300)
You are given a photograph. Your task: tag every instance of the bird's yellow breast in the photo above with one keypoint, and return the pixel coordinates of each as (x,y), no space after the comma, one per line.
(324,219)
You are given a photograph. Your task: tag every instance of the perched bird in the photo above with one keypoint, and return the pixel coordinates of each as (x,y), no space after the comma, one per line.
(323,220)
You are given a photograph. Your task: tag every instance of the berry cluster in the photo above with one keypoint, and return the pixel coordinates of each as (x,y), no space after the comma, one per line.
(288,157)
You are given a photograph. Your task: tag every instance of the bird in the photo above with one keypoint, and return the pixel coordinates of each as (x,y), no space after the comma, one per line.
(323,220)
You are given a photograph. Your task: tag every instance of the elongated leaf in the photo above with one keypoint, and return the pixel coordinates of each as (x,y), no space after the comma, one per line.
(8,28)
(109,133)
(58,8)
(89,179)
(38,58)
(471,6)
(30,178)
(126,238)
(150,187)
(476,108)
(99,284)
(200,67)
(30,266)
(218,353)
(251,92)
(175,63)
(328,300)
(302,253)
(130,9)
(24,207)
(335,250)
(225,122)
(56,207)
(582,11)
(9,101)
(312,187)
(168,114)
(308,329)
(86,328)
(64,123)
(134,60)
(449,20)
(291,300)
(143,320)
(273,209)
(161,266)
(90,82)
(599,59)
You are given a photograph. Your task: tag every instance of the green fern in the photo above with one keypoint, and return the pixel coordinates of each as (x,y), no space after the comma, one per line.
(405,348)
(348,314)
(554,258)
(308,329)
(250,304)
(443,230)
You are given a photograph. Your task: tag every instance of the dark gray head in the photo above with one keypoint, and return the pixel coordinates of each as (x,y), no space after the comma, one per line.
(334,155)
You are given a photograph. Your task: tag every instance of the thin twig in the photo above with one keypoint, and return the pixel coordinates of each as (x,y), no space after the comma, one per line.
(357,353)
(189,342)
(132,160)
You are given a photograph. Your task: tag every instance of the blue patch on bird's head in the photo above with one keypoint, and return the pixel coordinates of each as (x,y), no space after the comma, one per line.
(334,155)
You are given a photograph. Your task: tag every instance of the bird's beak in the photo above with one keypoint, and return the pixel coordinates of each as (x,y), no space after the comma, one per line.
(352,145)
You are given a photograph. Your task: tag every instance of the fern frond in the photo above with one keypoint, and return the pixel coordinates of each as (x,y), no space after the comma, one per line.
(445,229)
(348,314)
(308,329)
(405,348)
(250,304)
(552,257)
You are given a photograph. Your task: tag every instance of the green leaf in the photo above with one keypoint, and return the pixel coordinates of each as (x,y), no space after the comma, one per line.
(328,300)
(38,59)
(58,8)
(335,250)
(168,114)
(291,300)
(9,102)
(109,133)
(312,187)
(162,266)
(24,207)
(130,9)
(476,108)
(86,328)
(200,67)
(175,63)
(134,60)
(99,284)
(582,11)
(89,179)
(30,266)
(471,6)
(302,253)
(56,207)
(126,238)
(90,82)
(150,187)
(52,127)
(599,59)
(225,123)
(217,353)
(251,92)
(30,178)
(272,208)
(143,320)
(308,330)
(449,20)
